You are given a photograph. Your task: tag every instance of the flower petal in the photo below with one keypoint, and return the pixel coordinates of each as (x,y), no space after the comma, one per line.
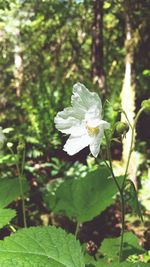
(96,139)
(104,124)
(75,144)
(66,120)
(95,144)
(83,99)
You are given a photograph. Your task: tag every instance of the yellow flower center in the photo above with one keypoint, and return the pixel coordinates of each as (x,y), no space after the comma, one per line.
(92,131)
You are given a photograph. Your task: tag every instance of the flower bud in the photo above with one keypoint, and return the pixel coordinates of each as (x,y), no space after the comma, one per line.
(146,105)
(21,144)
(117,107)
(9,144)
(122,128)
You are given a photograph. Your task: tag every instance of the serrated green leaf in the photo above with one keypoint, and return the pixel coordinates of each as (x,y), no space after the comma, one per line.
(83,198)
(42,247)
(5,216)
(117,264)
(10,190)
(110,247)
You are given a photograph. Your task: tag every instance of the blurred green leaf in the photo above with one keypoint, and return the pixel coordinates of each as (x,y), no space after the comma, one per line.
(5,216)
(110,247)
(83,198)
(117,264)
(146,72)
(10,190)
(8,130)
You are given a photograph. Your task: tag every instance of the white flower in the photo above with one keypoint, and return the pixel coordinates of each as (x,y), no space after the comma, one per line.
(82,121)
(2,137)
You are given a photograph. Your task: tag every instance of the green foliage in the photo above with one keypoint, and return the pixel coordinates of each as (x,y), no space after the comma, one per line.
(146,106)
(117,264)
(83,198)
(37,246)
(131,197)
(110,246)
(52,40)
(106,262)
(5,216)
(10,190)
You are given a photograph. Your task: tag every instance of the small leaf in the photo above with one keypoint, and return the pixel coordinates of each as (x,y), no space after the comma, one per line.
(10,190)
(42,247)
(5,216)
(83,198)
(110,247)
(116,140)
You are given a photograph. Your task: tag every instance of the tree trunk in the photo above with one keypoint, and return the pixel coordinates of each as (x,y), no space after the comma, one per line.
(97,46)
(128,91)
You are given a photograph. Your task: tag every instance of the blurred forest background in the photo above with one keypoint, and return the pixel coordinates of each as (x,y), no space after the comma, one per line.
(45,47)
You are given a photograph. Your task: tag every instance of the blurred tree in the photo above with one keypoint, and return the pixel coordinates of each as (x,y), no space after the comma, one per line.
(128,89)
(97,46)
(51,42)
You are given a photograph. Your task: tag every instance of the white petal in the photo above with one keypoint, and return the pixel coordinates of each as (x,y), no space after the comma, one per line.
(93,113)
(75,144)
(104,124)
(95,144)
(66,120)
(93,123)
(83,99)
(97,139)
(95,149)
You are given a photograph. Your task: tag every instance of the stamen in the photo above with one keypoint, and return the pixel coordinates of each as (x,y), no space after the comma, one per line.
(92,131)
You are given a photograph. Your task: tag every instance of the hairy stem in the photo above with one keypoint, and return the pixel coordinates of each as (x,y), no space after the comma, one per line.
(124,180)
(125,114)
(110,163)
(121,197)
(122,225)
(131,146)
(77,230)
(20,176)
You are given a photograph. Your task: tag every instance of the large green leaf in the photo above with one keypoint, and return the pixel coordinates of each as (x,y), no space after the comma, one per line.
(10,190)
(42,247)
(83,198)
(117,264)
(110,247)
(5,216)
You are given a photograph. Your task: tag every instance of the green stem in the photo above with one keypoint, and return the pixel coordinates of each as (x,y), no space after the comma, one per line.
(23,162)
(121,197)
(124,180)
(131,145)
(110,163)
(20,175)
(127,118)
(23,201)
(77,230)
(122,225)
